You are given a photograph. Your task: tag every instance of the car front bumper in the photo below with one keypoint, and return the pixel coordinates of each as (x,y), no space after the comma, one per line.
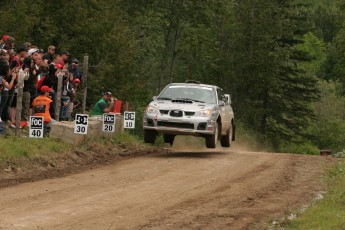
(195,126)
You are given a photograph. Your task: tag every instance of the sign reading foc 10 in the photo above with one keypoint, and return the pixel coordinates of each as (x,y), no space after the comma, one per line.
(129,120)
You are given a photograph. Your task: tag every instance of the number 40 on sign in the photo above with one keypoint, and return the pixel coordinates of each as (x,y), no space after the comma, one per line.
(129,120)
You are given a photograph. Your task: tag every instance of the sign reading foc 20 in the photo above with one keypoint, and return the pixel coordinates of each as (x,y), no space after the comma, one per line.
(81,123)
(108,122)
(129,120)
(36,127)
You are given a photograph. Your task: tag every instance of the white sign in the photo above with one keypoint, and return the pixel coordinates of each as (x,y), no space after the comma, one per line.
(36,127)
(81,123)
(129,120)
(108,122)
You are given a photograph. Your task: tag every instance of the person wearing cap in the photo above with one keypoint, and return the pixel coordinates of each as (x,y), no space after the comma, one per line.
(105,104)
(50,54)
(41,105)
(74,69)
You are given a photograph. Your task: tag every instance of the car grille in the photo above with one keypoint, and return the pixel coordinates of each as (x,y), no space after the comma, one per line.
(176,113)
(175,125)
(189,113)
(164,111)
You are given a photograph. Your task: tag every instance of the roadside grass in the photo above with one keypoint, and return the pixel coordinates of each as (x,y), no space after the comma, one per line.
(12,147)
(329,212)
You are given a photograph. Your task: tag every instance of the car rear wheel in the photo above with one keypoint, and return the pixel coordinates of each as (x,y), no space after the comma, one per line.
(226,140)
(211,140)
(149,136)
(168,138)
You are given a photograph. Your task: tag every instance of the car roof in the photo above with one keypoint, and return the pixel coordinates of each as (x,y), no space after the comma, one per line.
(196,84)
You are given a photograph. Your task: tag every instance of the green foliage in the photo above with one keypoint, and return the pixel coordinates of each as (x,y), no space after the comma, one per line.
(301,148)
(329,212)
(267,54)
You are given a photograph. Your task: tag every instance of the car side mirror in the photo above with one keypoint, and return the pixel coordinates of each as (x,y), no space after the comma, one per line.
(228,97)
(154,98)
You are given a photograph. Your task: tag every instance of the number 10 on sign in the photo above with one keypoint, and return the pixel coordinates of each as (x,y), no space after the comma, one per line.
(129,121)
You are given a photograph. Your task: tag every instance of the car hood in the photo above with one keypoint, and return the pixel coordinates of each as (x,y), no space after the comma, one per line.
(169,105)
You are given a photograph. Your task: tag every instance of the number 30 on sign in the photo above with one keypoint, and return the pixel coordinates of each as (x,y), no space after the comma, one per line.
(129,120)
(81,123)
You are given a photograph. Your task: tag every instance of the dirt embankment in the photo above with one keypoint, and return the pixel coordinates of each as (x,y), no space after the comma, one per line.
(30,169)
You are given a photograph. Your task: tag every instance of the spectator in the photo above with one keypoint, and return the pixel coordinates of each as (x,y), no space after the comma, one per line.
(41,106)
(27,45)
(8,43)
(75,70)
(50,54)
(68,95)
(105,104)
(4,55)
(20,55)
(64,56)
(6,83)
(29,89)
(16,65)
(2,41)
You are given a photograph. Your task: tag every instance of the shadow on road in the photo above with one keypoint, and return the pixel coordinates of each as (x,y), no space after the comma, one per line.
(190,154)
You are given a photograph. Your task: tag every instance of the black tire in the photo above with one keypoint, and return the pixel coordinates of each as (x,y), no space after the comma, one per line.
(211,140)
(169,138)
(226,140)
(149,136)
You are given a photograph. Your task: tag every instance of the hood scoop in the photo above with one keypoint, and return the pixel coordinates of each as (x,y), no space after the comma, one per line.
(182,101)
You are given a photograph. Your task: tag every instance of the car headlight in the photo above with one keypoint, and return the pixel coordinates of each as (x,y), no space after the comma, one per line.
(150,109)
(204,113)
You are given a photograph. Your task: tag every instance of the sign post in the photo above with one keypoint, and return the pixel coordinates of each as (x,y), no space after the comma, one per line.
(108,122)
(81,123)
(36,127)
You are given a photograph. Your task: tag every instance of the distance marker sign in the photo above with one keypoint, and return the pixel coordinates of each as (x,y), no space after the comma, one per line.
(36,127)
(129,120)
(108,122)
(81,123)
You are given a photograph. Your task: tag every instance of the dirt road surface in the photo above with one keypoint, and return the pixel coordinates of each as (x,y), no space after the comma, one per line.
(177,190)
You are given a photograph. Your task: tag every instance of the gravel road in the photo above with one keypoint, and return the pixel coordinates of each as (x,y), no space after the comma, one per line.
(178,190)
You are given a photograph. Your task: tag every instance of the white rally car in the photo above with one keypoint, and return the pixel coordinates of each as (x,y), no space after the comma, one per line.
(193,109)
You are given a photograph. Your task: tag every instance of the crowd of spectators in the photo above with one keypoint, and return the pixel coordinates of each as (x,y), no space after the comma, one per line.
(40,71)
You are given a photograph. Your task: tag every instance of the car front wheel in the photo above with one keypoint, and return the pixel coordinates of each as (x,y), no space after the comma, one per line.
(149,136)
(211,140)
(169,138)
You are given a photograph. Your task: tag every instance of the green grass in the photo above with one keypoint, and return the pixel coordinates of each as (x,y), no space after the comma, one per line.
(328,213)
(12,147)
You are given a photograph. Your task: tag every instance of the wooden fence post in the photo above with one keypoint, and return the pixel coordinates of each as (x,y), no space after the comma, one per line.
(58,96)
(19,105)
(85,69)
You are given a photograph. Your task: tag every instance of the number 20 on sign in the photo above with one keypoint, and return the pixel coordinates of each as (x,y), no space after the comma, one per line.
(129,120)
(108,122)
(81,123)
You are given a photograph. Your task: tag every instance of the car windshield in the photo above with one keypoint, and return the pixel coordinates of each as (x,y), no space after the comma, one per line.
(188,92)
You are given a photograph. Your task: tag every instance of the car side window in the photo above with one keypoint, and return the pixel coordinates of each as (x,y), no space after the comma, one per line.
(221,96)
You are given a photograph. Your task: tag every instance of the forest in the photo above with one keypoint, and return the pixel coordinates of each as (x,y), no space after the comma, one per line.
(282,61)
